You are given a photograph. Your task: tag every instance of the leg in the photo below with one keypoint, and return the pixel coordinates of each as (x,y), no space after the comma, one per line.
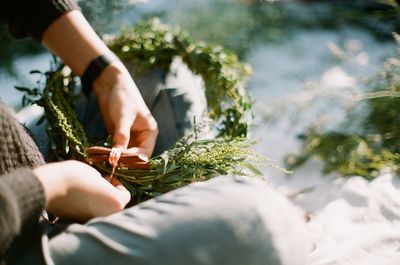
(227,220)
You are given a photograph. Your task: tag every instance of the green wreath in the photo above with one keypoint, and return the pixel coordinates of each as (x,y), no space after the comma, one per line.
(152,44)
(193,158)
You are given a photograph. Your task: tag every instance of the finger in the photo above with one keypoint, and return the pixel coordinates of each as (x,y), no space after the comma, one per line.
(145,139)
(116,182)
(114,156)
(133,150)
(123,192)
(121,187)
(105,114)
(125,196)
(122,131)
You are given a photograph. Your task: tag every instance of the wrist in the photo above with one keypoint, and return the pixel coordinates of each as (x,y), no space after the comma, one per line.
(106,81)
(95,69)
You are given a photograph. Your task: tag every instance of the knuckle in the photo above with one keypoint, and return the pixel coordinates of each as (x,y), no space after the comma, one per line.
(120,136)
(153,126)
(156,130)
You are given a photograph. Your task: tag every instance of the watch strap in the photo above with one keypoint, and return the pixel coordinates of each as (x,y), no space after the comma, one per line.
(93,71)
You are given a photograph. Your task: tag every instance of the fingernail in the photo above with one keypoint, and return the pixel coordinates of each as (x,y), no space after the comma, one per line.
(121,187)
(143,157)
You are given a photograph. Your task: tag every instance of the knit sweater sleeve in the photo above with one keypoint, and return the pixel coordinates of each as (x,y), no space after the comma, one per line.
(32,17)
(22,201)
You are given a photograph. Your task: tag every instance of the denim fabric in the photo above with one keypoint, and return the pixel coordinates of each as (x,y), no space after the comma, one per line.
(227,220)
(174,99)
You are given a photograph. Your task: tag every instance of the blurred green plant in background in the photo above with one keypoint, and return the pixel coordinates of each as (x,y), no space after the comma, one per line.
(238,24)
(374,147)
(235,24)
(102,14)
(195,157)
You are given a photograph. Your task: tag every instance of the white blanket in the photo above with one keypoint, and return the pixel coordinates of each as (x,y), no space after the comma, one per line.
(359,223)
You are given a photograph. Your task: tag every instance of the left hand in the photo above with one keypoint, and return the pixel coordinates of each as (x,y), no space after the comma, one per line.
(125,113)
(76,191)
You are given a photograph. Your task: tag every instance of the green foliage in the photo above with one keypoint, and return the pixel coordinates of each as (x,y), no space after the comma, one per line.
(239,25)
(192,158)
(375,147)
(66,134)
(347,154)
(105,15)
(189,160)
(152,44)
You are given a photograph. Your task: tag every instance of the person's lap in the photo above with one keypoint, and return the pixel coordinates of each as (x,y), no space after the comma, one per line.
(228,220)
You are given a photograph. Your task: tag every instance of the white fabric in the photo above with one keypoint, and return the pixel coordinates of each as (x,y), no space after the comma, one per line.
(359,224)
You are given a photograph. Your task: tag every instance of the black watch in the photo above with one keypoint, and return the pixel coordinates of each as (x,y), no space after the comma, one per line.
(94,70)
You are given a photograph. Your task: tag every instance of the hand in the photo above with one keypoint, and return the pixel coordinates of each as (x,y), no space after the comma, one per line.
(76,191)
(125,113)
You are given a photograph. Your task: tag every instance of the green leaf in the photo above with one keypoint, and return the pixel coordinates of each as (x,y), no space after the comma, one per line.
(165,157)
(253,169)
(24,101)
(392,3)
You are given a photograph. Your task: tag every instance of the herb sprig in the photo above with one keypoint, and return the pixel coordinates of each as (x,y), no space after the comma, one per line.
(192,158)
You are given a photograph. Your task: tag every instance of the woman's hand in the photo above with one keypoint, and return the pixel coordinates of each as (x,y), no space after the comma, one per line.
(76,191)
(125,113)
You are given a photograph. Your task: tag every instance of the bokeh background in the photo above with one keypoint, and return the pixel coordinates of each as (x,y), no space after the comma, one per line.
(311,59)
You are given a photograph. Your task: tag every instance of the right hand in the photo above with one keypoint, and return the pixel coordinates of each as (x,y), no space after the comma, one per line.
(124,111)
(125,114)
(75,191)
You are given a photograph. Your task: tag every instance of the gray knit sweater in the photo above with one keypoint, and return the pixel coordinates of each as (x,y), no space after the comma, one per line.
(21,194)
(32,17)
(22,197)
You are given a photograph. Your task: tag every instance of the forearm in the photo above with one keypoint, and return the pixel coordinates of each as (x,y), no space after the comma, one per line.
(125,114)
(32,17)
(72,39)
(124,111)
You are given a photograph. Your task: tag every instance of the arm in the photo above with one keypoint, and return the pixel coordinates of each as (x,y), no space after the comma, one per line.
(125,114)
(76,191)
(31,17)
(22,201)
(61,27)
(71,190)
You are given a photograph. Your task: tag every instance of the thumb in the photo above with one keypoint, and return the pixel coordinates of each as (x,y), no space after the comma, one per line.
(124,195)
(122,132)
